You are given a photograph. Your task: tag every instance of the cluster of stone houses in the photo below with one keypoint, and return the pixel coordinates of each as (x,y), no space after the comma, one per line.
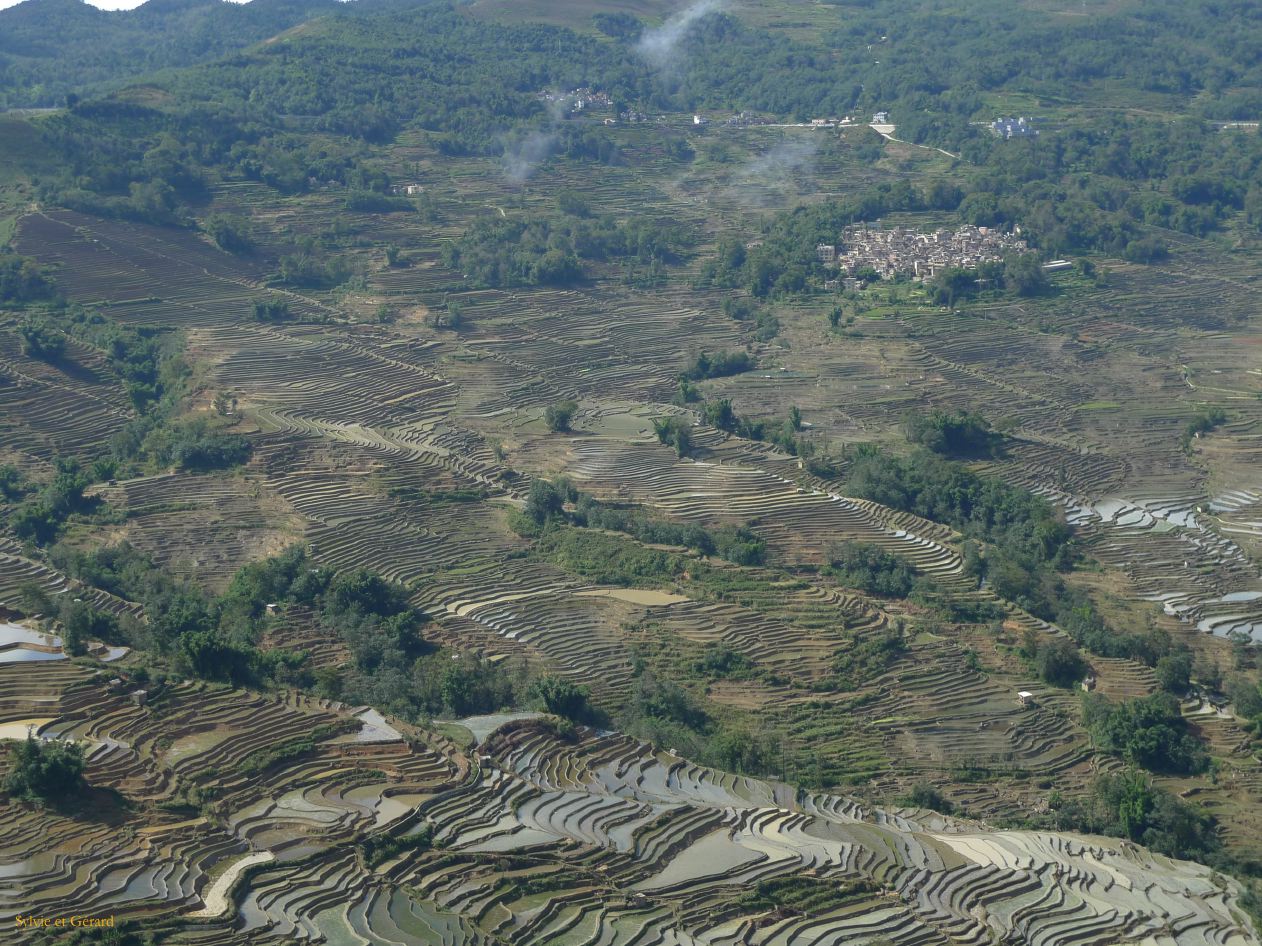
(899,250)
(578,100)
(747,118)
(1008,128)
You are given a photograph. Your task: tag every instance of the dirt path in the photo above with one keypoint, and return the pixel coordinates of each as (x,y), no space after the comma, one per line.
(216,898)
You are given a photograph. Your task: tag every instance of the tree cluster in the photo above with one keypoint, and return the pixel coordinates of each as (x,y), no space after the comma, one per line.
(1148,732)
(45,772)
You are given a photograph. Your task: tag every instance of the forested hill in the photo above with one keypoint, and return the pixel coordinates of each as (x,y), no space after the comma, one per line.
(49,48)
(356,77)
(935,68)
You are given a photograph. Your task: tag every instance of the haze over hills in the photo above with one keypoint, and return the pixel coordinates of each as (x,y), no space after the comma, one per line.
(631,473)
(101,5)
(49,48)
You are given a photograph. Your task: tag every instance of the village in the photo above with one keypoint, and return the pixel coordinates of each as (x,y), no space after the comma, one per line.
(899,250)
(577,100)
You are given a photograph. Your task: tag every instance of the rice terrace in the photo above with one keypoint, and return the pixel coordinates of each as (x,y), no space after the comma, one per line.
(631,473)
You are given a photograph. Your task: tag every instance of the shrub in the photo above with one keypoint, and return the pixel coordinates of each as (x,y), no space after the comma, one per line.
(271,310)
(739,545)
(868,658)
(1207,420)
(13,484)
(196,444)
(372,202)
(719,661)
(40,517)
(230,233)
(379,848)
(305,272)
(718,366)
(924,795)
(1146,250)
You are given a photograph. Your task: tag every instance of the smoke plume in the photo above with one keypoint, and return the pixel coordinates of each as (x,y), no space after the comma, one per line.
(768,176)
(522,157)
(660,45)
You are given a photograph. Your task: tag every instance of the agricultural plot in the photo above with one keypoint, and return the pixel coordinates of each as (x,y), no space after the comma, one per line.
(19,570)
(71,408)
(125,265)
(360,423)
(201,527)
(1094,395)
(381,440)
(534,838)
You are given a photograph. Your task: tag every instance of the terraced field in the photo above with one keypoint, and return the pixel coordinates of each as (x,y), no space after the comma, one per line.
(532,838)
(356,421)
(392,444)
(44,410)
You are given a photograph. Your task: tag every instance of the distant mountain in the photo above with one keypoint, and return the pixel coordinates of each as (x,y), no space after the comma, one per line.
(49,48)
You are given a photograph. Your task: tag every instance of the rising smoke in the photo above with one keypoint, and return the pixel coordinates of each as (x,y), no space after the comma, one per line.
(660,46)
(766,177)
(522,157)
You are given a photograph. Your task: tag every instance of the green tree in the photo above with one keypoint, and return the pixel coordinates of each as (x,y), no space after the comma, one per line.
(952,284)
(674,431)
(544,501)
(364,592)
(230,233)
(81,623)
(45,771)
(21,279)
(1174,673)
(40,340)
(559,416)
(12,483)
(1024,275)
(564,698)
(1059,662)
(951,433)
(209,655)
(1150,732)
